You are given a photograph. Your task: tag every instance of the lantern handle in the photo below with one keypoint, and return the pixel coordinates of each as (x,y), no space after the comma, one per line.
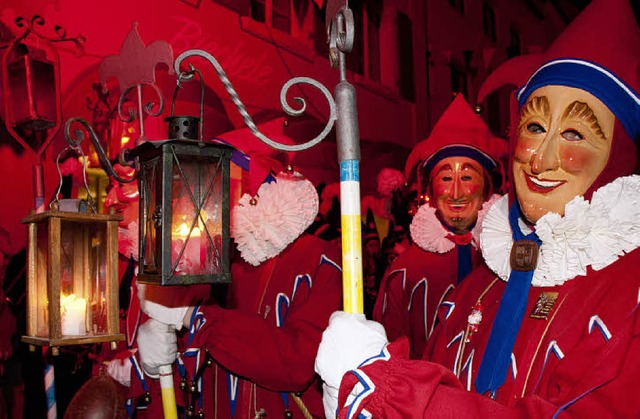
(123,157)
(187,76)
(283,101)
(78,151)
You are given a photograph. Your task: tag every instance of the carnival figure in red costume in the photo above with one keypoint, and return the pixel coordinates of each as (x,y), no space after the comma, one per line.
(552,327)
(458,162)
(260,347)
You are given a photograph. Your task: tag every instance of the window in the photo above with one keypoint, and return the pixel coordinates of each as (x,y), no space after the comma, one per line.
(458,5)
(274,13)
(514,43)
(405,57)
(355,59)
(458,80)
(489,21)
(242,7)
(364,58)
(281,16)
(373,19)
(320,44)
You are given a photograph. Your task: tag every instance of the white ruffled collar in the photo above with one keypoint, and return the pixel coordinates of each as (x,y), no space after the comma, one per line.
(281,212)
(429,234)
(592,234)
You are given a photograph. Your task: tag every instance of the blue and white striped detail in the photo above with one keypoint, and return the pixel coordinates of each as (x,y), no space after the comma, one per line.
(554,348)
(282,308)
(468,368)
(514,366)
(305,278)
(457,338)
(368,385)
(596,321)
(368,389)
(232,388)
(620,98)
(50,391)
(440,303)
(419,285)
(325,260)
(450,306)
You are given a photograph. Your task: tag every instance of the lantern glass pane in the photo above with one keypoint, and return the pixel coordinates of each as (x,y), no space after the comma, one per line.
(83,281)
(33,91)
(150,213)
(39,305)
(196,236)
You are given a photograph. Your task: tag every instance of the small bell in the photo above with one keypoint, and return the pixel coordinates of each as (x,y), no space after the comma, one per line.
(200,414)
(260,414)
(189,412)
(288,414)
(183,384)
(146,398)
(208,361)
(193,388)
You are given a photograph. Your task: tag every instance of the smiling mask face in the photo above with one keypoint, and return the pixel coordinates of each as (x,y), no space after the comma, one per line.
(457,188)
(563,144)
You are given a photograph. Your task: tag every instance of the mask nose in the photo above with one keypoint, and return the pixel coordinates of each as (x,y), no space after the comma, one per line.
(456,190)
(546,158)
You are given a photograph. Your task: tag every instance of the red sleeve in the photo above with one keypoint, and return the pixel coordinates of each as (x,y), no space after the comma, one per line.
(391,386)
(280,359)
(390,310)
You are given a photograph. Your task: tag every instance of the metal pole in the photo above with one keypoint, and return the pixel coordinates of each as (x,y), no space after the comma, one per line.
(348,141)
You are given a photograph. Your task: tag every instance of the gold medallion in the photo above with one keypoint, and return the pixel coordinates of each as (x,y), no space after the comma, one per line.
(543,306)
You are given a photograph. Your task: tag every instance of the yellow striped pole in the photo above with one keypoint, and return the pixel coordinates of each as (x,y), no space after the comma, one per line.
(351,237)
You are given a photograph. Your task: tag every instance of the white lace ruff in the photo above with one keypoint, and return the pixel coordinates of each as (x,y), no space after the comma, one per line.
(429,234)
(592,234)
(284,209)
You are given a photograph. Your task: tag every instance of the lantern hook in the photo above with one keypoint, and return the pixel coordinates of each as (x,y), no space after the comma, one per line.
(89,201)
(187,76)
(123,158)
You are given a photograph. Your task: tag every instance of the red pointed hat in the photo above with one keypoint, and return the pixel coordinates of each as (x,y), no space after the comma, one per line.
(256,157)
(598,52)
(458,132)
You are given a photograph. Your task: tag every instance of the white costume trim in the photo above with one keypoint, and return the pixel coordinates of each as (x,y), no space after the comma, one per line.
(429,234)
(592,234)
(283,210)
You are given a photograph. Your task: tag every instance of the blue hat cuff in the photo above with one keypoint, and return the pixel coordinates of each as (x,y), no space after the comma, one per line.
(460,150)
(621,99)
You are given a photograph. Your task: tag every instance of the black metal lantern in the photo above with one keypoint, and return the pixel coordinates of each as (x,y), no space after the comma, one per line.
(184,212)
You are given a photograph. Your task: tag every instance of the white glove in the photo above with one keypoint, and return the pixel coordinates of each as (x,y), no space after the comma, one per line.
(157,345)
(329,401)
(173,316)
(349,340)
(330,398)
(120,370)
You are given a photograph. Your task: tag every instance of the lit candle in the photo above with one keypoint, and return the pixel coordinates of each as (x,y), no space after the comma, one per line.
(74,312)
(194,252)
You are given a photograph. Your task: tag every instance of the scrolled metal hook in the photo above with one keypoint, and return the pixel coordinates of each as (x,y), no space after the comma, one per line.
(283,101)
(76,140)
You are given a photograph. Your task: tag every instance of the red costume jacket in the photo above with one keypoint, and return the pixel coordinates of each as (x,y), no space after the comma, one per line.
(264,347)
(577,356)
(409,295)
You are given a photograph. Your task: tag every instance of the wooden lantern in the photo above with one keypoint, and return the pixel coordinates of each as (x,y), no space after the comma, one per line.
(72,278)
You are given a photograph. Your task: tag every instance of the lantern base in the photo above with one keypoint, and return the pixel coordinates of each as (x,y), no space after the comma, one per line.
(75,340)
(220,278)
